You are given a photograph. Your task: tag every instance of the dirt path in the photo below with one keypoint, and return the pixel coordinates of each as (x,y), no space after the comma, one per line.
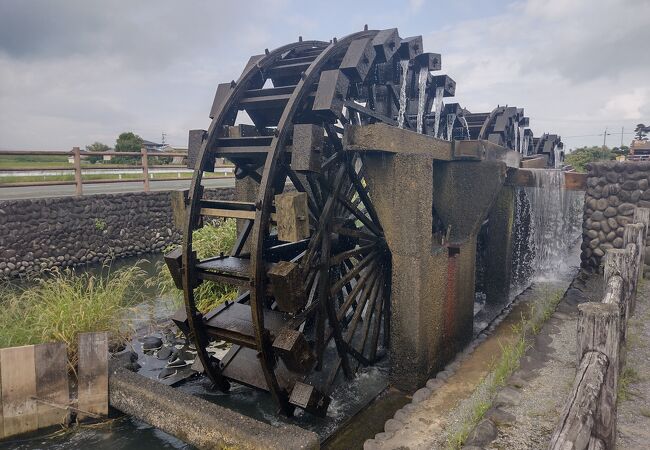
(634,401)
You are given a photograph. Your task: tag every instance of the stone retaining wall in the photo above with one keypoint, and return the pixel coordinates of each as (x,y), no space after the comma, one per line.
(42,234)
(614,189)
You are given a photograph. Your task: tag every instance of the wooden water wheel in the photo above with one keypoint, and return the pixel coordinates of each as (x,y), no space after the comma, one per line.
(310,260)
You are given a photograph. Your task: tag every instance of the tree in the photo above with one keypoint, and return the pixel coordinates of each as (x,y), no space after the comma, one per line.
(579,157)
(127,142)
(96,147)
(641,132)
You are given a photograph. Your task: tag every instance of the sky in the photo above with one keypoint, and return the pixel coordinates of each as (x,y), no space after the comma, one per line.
(73,72)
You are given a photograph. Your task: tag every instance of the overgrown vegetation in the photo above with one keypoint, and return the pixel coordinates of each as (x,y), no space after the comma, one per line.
(628,376)
(505,366)
(211,240)
(60,306)
(580,157)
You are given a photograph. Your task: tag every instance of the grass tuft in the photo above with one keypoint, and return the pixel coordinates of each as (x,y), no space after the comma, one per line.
(60,306)
(506,365)
(628,376)
(208,241)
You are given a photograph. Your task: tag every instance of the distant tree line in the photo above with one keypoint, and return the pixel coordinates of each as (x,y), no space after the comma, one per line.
(126,142)
(580,157)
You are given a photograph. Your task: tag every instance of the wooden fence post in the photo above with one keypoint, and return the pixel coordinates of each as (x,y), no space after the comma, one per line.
(145,168)
(76,152)
(617,263)
(599,331)
(577,422)
(642,215)
(633,239)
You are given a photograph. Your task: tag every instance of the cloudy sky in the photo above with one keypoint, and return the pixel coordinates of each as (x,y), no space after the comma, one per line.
(77,71)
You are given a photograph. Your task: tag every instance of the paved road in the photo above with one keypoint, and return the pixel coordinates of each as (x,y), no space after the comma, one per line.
(14,193)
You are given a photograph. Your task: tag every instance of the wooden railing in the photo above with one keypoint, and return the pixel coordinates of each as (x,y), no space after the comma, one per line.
(78,169)
(589,416)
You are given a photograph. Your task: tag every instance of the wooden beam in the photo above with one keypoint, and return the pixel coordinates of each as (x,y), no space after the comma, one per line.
(383,138)
(18,387)
(574,181)
(51,383)
(93,373)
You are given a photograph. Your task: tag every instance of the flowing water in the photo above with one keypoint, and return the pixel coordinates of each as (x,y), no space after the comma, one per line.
(404,63)
(451,119)
(422,87)
(437,101)
(466,126)
(546,230)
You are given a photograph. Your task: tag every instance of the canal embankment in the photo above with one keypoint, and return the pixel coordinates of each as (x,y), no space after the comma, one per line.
(44,234)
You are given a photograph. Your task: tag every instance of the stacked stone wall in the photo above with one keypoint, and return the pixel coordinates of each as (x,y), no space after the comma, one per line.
(614,189)
(42,234)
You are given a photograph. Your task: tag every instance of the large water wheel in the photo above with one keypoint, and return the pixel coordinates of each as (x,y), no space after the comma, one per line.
(311,262)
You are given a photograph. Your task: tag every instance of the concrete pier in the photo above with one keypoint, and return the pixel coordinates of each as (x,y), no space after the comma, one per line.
(431,204)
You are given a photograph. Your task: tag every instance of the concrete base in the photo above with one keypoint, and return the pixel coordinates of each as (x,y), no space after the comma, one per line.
(196,421)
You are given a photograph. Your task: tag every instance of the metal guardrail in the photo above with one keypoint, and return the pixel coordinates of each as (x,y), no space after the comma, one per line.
(78,169)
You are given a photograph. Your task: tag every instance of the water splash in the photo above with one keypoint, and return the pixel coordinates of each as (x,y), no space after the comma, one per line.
(451,119)
(437,101)
(547,224)
(404,63)
(526,145)
(422,87)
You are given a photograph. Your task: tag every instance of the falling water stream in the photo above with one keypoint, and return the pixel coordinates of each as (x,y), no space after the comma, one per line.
(422,87)
(451,119)
(438,108)
(404,63)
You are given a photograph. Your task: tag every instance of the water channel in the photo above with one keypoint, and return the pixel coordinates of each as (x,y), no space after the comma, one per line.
(547,226)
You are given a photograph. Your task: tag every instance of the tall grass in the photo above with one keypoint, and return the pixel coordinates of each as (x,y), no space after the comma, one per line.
(60,306)
(210,240)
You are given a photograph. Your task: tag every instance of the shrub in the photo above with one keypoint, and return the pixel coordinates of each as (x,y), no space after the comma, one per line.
(580,157)
(60,306)
(210,240)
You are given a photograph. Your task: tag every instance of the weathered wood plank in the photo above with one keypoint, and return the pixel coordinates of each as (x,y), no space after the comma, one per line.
(598,330)
(18,379)
(384,138)
(93,373)
(576,422)
(51,383)
(292,216)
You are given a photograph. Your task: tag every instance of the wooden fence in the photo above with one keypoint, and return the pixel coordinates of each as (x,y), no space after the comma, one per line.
(34,387)
(588,420)
(77,168)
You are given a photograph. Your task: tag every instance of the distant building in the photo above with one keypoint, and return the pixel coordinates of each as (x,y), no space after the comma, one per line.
(639,150)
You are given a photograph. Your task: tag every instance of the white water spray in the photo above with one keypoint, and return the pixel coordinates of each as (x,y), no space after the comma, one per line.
(437,101)
(547,224)
(404,63)
(422,87)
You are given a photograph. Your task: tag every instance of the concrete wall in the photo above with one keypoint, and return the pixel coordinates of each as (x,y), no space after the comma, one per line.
(613,191)
(41,234)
